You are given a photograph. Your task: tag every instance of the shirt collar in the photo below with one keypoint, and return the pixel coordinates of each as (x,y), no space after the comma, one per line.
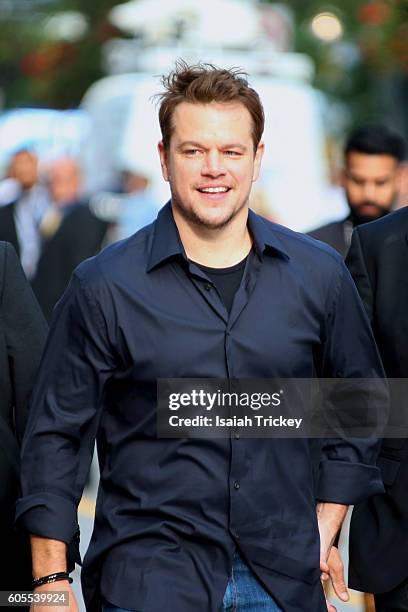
(166,243)
(266,240)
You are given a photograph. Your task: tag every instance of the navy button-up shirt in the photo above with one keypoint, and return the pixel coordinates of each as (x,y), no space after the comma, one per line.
(170,512)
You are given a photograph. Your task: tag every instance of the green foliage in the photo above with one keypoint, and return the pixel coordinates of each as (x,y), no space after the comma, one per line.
(36,71)
(372,52)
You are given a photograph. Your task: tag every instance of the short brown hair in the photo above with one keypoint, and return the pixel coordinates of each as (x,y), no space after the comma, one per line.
(205,83)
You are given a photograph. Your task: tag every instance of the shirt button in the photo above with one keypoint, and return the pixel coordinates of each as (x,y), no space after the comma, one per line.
(236,435)
(236,485)
(207,287)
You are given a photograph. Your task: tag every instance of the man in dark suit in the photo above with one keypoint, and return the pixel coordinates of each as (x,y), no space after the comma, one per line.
(378,261)
(22,336)
(65,233)
(70,233)
(371,180)
(21,218)
(8,230)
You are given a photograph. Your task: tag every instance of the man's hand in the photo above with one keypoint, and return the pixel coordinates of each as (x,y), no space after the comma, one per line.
(60,586)
(336,571)
(329,519)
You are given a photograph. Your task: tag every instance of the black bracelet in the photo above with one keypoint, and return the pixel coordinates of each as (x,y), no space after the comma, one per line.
(51,578)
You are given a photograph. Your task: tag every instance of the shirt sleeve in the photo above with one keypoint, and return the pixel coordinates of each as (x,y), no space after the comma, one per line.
(66,406)
(348,473)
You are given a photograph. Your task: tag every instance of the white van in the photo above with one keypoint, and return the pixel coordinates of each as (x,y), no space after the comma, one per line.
(48,132)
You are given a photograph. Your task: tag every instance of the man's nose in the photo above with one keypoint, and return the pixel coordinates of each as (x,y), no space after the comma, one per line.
(370,191)
(213,164)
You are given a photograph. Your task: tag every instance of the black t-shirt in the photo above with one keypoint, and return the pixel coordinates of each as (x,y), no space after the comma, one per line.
(226,280)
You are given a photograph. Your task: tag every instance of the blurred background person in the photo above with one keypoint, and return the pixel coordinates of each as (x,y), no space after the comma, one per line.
(128,209)
(22,337)
(69,231)
(20,219)
(377,260)
(139,207)
(372,181)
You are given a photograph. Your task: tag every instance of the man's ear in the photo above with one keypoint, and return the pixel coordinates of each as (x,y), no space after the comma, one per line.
(257,161)
(402,178)
(163,161)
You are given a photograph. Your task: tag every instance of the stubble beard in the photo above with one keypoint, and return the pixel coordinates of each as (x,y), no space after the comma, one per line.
(359,218)
(191,216)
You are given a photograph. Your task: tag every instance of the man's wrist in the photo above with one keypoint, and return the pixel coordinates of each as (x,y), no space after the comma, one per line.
(51,579)
(331,512)
(330,517)
(61,585)
(49,556)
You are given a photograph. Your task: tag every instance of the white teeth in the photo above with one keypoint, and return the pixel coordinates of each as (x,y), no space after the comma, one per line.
(214,189)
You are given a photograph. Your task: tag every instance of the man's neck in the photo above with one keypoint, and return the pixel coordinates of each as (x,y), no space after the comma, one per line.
(215,248)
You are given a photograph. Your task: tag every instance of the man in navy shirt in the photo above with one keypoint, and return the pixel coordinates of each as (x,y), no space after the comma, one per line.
(209,290)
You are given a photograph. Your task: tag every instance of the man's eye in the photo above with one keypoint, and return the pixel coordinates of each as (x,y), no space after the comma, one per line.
(232,153)
(192,152)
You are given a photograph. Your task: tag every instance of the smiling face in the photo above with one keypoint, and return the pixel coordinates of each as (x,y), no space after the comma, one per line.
(371,183)
(210,163)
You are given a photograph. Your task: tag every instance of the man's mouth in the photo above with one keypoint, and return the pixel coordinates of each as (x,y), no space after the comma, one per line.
(213,189)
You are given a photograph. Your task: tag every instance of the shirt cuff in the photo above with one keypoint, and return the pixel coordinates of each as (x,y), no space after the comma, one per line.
(342,482)
(48,515)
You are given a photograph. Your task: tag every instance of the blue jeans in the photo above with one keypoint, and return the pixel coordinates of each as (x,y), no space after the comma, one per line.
(244,593)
